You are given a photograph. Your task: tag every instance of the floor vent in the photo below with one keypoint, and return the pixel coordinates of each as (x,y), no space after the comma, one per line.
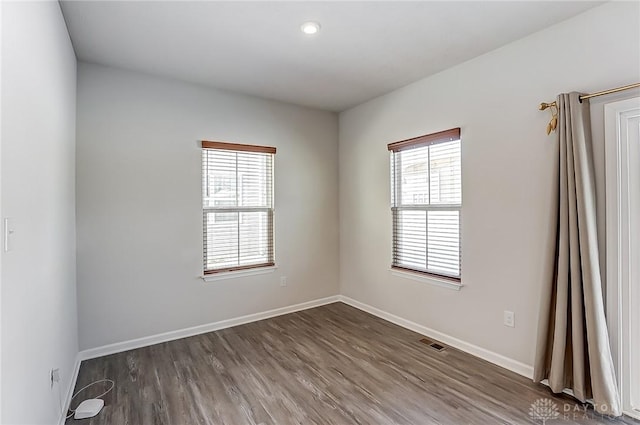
(434,345)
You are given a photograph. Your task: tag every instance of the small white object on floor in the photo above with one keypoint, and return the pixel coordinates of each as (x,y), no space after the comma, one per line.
(89,408)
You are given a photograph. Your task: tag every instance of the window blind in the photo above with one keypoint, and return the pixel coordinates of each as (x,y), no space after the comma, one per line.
(237,206)
(426,201)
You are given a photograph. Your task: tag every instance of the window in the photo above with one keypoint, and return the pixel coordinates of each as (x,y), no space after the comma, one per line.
(426,199)
(237,206)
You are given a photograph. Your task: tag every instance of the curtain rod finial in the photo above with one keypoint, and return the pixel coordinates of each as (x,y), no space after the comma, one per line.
(545,105)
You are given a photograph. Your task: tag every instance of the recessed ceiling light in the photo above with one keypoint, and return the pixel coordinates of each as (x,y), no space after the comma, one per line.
(310,27)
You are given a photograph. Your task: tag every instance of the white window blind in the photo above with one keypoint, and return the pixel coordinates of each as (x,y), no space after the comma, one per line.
(426,203)
(237,206)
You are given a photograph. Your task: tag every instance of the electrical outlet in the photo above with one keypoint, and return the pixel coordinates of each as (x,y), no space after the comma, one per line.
(509,319)
(55,376)
(283,281)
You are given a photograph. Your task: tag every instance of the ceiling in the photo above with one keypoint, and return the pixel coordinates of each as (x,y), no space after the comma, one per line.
(364,49)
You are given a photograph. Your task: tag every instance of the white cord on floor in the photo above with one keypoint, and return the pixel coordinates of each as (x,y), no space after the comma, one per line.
(113,384)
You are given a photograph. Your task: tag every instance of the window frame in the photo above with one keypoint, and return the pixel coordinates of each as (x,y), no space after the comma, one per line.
(247,268)
(426,140)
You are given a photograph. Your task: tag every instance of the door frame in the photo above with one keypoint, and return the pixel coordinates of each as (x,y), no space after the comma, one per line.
(618,249)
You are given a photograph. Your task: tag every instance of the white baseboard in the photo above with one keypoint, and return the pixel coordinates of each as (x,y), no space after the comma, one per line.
(632,414)
(495,358)
(69,393)
(119,347)
(567,391)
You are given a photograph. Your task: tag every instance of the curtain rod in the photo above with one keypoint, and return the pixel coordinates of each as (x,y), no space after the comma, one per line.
(617,89)
(545,105)
(554,106)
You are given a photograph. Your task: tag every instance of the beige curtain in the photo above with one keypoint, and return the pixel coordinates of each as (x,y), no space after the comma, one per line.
(573,343)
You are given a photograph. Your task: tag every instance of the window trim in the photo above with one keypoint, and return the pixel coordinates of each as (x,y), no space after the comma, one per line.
(239,268)
(238,273)
(426,140)
(222,273)
(432,279)
(227,146)
(420,142)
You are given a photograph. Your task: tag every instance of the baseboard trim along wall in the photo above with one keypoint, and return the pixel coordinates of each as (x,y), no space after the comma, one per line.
(69,393)
(490,356)
(495,358)
(119,347)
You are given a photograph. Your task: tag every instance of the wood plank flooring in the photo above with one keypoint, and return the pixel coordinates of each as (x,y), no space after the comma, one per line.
(328,365)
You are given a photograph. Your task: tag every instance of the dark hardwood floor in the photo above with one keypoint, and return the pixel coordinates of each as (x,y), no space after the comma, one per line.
(328,365)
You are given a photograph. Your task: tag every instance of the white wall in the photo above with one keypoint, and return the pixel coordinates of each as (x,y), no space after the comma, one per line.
(39,328)
(1,231)
(139,204)
(508,175)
